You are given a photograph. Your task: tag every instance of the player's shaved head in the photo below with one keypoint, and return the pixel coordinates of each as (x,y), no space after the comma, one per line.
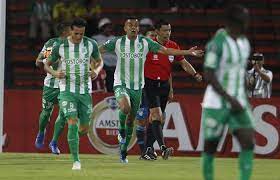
(237,18)
(131,18)
(131,27)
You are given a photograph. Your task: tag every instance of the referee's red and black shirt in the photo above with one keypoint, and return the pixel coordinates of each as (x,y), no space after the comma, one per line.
(158,66)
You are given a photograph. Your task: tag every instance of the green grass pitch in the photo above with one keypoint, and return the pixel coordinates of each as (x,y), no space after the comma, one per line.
(107,167)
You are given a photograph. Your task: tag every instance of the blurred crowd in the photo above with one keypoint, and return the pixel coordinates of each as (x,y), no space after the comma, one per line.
(44,19)
(44,16)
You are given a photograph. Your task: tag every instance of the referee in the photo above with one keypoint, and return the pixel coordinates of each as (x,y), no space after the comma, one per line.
(157,87)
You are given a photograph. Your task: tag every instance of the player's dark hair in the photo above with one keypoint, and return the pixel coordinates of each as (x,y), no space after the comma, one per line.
(78,22)
(160,23)
(62,26)
(237,14)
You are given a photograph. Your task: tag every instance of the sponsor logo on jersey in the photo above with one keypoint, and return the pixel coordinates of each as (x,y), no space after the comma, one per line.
(131,55)
(103,130)
(76,61)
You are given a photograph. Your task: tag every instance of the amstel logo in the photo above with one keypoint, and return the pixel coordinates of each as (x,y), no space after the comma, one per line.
(103,130)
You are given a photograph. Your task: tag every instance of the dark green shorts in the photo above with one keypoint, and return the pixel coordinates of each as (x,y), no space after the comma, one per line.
(77,106)
(49,97)
(214,121)
(133,95)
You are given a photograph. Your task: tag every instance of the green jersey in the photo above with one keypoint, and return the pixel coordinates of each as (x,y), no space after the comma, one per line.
(75,63)
(131,55)
(228,58)
(49,80)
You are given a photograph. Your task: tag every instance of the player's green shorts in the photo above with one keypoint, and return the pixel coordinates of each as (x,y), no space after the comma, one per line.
(214,121)
(133,95)
(77,106)
(49,97)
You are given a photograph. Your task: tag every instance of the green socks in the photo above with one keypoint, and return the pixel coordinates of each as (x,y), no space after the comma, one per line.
(128,132)
(58,127)
(122,118)
(44,119)
(246,164)
(73,141)
(207,166)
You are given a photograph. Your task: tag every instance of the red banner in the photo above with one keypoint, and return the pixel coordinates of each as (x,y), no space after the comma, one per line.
(182,128)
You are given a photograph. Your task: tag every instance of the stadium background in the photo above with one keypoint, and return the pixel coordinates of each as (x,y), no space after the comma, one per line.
(190,26)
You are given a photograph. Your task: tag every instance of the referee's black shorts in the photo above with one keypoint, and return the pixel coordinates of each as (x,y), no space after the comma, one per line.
(156,93)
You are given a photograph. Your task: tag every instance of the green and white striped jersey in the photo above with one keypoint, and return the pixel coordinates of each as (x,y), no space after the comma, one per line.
(131,56)
(49,80)
(228,58)
(75,63)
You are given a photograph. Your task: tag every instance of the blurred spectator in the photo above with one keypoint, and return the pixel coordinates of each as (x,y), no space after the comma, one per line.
(110,60)
(93,15)
(40,17)
(145,24)
(259,80)
(175,5)
(63,11)
(80,10)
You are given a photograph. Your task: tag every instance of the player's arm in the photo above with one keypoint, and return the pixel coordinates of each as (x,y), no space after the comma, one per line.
(190,69)
(171,92)
(108,46)
(96,61)
(41,56)
(157,48)
(177,52)
(210,65)
(39,60)
(96,66)
(52,59)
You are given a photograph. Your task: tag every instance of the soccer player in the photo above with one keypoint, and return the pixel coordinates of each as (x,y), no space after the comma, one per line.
(50,93)
(158,89)
(225,101)
(77,54)
(131,50)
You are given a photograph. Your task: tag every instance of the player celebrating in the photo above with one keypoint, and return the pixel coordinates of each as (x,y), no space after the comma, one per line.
(158,90)
(76,53)
(131,51)
(225,101)
(50,93)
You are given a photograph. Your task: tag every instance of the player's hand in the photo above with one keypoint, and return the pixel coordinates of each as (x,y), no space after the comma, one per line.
(195,52)
(39,63)
(59,74)
(235,105)
(198,77)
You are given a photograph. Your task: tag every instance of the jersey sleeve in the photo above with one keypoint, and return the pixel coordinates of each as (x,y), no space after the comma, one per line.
(54,56)
(153,46)
(95,51)
(178,58)
(213,53)
(110,45)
